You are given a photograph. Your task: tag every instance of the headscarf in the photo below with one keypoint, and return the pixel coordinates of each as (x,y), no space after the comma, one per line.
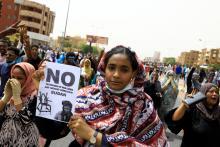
(87,70)
(195,81)
(215,112)
(126,120)
(29,86)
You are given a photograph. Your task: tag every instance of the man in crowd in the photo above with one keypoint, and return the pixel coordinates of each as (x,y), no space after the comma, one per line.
(11,56)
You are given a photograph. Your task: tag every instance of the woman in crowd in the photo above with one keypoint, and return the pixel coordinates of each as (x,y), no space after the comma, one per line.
(200,122)
(153,88)
(170,92)
(116,111)
(18,108)
(193,84)
(87,73)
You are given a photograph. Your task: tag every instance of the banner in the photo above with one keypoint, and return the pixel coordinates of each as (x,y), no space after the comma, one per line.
(57,92)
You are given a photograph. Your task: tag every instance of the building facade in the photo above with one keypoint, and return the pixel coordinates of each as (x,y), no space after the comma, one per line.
(206,56)
(189,58)
(37,17)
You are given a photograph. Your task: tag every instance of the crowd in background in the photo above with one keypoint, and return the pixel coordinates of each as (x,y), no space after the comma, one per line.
(161,84)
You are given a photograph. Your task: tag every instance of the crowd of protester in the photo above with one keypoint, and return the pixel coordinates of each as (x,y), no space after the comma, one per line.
(120,102)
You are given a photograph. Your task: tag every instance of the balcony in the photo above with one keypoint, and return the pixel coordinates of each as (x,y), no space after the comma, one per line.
(31,14)
(31,24)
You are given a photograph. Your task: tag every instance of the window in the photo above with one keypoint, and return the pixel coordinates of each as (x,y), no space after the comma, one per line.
(45,23)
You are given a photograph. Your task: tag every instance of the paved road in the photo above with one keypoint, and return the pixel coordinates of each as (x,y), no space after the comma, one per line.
(174,140)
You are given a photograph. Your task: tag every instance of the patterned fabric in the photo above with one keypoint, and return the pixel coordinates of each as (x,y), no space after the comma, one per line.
(18,129)
(126,120)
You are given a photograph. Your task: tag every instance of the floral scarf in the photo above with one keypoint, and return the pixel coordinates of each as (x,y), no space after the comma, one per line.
(126,120)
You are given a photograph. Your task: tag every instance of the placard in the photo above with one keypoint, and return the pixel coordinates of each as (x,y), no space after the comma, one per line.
(57,92)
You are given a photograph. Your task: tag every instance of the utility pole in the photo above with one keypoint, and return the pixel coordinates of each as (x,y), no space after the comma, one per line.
(66,19)
(64,34)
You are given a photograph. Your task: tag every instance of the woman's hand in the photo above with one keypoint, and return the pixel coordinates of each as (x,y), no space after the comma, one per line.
(37,76)
(16,91)
(7,92)
(80,127)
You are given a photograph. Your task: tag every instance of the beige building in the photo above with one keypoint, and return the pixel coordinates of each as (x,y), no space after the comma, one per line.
(203,56)
(37,17)
(206,56)
(214,56)
(189,58)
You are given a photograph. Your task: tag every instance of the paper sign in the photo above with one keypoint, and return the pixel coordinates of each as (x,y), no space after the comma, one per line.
(57,92)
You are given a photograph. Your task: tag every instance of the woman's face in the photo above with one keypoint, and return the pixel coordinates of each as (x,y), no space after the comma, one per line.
(212,96)
(118,71)
(19,74)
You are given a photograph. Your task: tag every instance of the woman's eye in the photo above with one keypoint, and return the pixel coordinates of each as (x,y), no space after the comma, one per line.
(124,70)
(111,68)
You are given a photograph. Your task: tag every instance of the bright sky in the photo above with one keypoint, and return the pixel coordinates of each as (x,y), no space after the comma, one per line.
(168,26)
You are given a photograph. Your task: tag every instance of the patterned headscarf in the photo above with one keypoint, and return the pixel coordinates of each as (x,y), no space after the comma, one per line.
(29,86)
(126,120)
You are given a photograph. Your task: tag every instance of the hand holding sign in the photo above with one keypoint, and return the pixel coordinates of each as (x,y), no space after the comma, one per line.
(57,91)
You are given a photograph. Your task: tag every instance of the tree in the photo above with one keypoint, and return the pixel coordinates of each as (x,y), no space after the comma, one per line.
(86,48)
(169,60)
(215,66)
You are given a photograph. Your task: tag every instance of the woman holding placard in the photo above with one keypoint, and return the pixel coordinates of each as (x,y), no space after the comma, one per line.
(116,111)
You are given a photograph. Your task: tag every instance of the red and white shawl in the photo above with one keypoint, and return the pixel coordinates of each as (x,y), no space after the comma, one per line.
(126,120)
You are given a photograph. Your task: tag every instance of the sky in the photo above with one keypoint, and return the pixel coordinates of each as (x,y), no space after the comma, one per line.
(167,26)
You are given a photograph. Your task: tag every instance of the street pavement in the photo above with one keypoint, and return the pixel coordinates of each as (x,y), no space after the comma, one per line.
(174,140)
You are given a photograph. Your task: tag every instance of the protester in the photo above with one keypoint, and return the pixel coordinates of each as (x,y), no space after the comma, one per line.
(87,73)
(11,56)
(3,49)
(154,89)
(71,59)
(193,84)
(170,92)
(200,122)
(35,59)
(116,111)
(18,108)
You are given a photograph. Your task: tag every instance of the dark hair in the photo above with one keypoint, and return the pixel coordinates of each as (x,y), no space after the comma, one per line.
(15,50)
(67,103)
(34,46)
(70,54)
(122,50)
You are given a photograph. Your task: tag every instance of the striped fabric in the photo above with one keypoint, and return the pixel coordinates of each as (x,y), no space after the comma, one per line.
(127,120)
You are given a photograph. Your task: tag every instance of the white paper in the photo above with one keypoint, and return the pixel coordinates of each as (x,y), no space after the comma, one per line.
(57,92)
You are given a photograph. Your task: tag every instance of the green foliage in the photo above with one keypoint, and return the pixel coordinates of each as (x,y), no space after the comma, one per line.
(215,66)
(169,60)
(86,48)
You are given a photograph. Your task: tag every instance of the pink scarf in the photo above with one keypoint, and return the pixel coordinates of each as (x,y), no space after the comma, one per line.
(29,86)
